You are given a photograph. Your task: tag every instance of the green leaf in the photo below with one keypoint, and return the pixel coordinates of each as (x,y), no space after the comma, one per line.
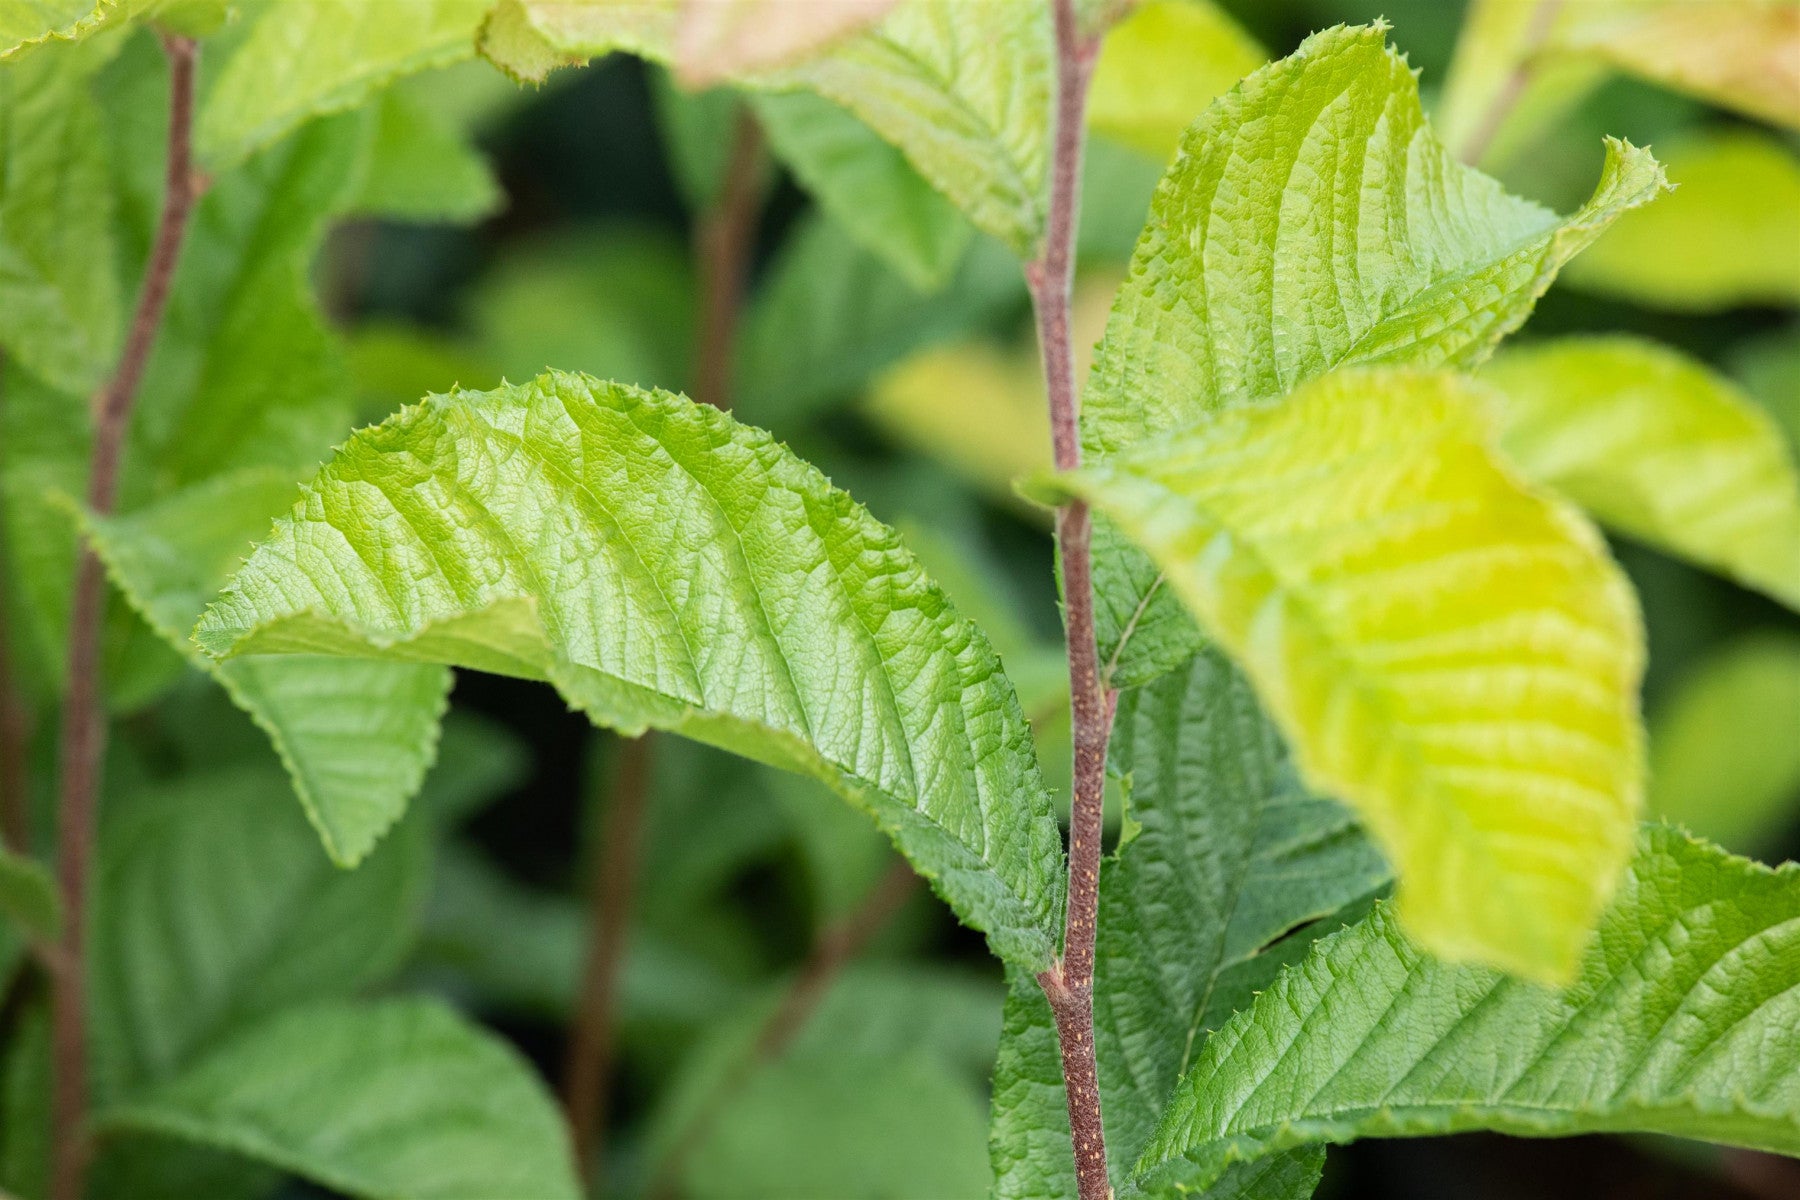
(28,24)
(28,897)
(1312,221)
(1723,761)
(832,314)
(919,1041)
(716,39)
(1769,368)
(666,567)
(697,131)
(60,308)
(400,1098)
(867,186)
(1229,854)
(356,736)
(214,907)
(1710,245)
(352,49)
(1658,447)
(1454,656)
(1161,66)
(421,169)
(964,91)
(1676,1023)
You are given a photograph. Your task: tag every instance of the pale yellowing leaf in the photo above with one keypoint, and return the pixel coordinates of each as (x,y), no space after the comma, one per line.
(1657,446)
(1453,655)
(1728,236)
(1160,67)
(717,39)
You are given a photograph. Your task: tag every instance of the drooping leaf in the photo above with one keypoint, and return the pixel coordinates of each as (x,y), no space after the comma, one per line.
(718,39)
(309,58)
(1723,761)
(28,897)
(394,1098)
(1160,67)
(667,567)
(1719,241)
(214,907)
(1676,1023)
(356,736)
(1658,447)
(28,24)
(866,185)
(60,307)
(1228,854)
(421,169)
(1454,656)
(962,90)
(1313,221)
(832,314)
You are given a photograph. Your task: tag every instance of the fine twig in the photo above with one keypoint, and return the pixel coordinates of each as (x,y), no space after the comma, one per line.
(836,946)
(724,236)
(83,743)
(1475,146)
(1069,983)
(587,1075)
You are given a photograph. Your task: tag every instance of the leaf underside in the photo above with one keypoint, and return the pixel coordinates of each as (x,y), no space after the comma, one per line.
(665,566)
(1311,220)
(1679,1021)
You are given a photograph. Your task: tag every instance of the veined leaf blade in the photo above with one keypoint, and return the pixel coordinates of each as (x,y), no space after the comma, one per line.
(665,566)
(1455,657)
(1659,447)
(1677,1022)
(1312,220)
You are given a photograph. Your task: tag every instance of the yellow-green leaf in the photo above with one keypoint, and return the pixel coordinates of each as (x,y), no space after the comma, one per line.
(717,39)
(1728,236)
(1658,447)
(1450,653)
(1161,66)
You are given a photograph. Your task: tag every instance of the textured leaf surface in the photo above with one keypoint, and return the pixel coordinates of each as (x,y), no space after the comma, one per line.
(1661,448)
(962,89)
(1723,759)
(1229,853)
(1161,66)
(59,292)
(307,58)
(1723,239)
(866,185)
(25,24)
(665,566)
(215,907)
(356,735)
(394,1099)
(1677,1022)
(1312,221)
(1451,654)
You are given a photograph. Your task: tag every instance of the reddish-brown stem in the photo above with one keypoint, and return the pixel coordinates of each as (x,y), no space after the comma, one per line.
(837,945)
(723,238)
(1475,146)
(1069,983)
(587,1076)
(83,743)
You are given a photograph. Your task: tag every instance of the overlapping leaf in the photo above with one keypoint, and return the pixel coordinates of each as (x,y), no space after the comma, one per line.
(396,1098)
(962,90)
(1658,447)
(1678,1022)
(1228,854)
(1160,67)
(1312,221)
(308,58)
(1454,656)
(665,566)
